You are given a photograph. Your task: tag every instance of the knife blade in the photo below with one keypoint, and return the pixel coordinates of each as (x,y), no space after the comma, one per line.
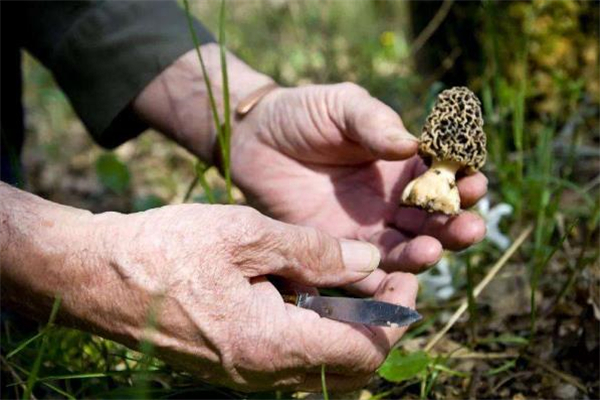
(361,311)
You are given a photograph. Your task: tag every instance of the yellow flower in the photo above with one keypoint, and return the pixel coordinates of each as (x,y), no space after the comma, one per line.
(387,39)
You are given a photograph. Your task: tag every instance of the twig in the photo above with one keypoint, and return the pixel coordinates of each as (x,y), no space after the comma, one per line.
(191,188)
(431,27)
(592,183)
(484,356)
(14,374)
(508,379)
(562,375)
(474,384)
(490,275)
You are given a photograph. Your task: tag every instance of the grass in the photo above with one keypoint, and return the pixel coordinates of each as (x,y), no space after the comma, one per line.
(223,129)
(33,374)
(324,383)
(532,165)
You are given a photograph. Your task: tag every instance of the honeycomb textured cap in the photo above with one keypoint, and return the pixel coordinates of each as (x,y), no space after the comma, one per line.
(453,130)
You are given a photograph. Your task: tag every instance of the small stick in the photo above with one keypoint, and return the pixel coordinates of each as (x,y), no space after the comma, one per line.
(488,278)
(562,375)
(431,27)
(484,356)
(16,376)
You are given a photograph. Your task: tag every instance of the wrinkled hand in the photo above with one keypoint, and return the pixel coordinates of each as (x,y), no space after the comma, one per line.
(335,158)
(202,270)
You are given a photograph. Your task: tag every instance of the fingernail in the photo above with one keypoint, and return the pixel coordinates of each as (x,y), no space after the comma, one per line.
(398,135)
(359,256)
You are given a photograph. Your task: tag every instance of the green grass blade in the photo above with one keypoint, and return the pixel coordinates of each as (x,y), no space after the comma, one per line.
(25,343)
(210,196)
(223,129)
(324,383)
(48,385)
(539,268)
(226,128)
(504,367)
(199,177)
(32,378)
(59,391)
(471,300)
(213,104)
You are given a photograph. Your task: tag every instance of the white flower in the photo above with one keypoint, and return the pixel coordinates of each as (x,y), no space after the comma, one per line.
(492,220)
(438,280)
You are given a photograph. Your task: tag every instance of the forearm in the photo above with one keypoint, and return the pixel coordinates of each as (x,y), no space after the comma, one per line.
(177,102)
(49,250)
(34,241)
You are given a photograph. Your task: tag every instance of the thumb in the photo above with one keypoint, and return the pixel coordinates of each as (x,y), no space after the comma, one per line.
(314,258)
(373,124)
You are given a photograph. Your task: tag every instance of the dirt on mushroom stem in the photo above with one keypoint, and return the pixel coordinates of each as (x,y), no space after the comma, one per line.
(435,190)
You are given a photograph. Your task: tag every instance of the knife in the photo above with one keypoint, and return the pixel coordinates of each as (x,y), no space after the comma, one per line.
(360,311)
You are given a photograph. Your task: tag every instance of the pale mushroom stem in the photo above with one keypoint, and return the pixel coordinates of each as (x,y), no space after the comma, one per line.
(435,190)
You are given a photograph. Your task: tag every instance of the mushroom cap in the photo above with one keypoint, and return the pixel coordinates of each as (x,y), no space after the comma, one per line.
(453,130)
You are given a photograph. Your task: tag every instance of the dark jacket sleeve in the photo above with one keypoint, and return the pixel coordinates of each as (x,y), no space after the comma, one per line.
(103,53)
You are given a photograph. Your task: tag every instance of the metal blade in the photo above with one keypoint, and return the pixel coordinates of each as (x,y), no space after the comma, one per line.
(368,312)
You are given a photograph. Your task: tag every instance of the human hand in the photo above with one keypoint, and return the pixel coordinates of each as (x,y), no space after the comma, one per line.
(201,269)
(335,158)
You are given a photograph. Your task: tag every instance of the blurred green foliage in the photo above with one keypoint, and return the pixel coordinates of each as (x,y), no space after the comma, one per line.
(113,173)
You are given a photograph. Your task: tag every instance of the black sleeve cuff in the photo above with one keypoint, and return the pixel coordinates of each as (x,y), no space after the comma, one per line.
(111,53)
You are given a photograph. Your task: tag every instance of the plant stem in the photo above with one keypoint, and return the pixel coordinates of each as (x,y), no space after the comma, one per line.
(32,378)
(479,288)
(223,129)
(226,127)
(324,383)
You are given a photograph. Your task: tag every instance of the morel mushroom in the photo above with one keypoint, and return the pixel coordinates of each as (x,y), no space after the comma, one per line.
(452,140)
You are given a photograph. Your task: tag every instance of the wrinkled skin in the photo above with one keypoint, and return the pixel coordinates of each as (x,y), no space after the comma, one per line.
(219,317)
(335,158)
(329,158)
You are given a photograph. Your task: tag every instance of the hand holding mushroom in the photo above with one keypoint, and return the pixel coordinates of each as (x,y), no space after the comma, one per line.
(335,158)
(453,140)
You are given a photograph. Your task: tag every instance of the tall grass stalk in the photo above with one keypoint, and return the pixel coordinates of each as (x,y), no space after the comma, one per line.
(223,129)
(324,383)
(519,121)
(545,201)
(537,272)
(226,127)
(471,300)
(33,374)
(581,261)
(200,177)
(147,348)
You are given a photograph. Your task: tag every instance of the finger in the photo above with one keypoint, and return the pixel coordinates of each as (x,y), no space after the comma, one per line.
(368,286)
(310,257)
(400,253)
(285,286)
(352,349)
(471,189)
(334,383)
(372,123)
(454,233)
(414,256)
(344,348)
(398,288)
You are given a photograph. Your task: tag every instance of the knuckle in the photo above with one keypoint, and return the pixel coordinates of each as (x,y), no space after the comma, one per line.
(321,250)
(352,88)
(241,229)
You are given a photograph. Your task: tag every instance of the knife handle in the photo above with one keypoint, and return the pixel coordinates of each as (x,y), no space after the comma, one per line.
(290,298)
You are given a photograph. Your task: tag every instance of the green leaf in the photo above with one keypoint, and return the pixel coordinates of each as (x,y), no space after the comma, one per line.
(506,338)
(400,366)
(113,173)
(147,202)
